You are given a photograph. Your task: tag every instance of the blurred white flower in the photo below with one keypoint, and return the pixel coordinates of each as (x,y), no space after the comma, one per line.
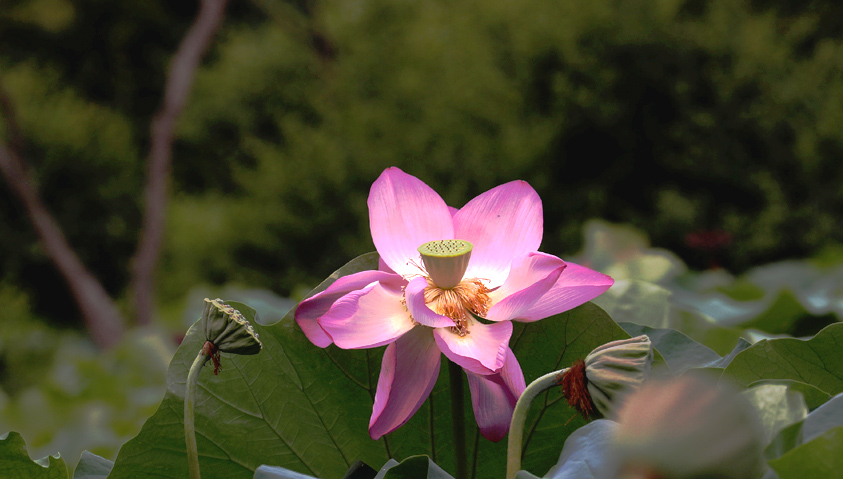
(688,427)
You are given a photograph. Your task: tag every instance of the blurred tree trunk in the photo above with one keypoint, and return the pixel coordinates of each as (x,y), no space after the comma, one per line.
(179,83)
(102,318)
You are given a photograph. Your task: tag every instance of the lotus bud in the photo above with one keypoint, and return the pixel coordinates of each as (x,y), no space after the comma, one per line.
(688,427)
(594,386)
(597,385)
(226,330)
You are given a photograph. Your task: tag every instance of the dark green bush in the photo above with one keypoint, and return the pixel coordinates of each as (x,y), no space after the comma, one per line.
(678,117)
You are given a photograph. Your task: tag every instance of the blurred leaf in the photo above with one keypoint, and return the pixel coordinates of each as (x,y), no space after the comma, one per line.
(16,464)
(92,466)
(727,360)
(637,302)
(705,330)
(818,458)
(624,253)
(743,290)
(585,454)
(416,467)
(814,397)
(679,351)
(788,438)
(778,406)
(780,316)
(820,420)
(272,472)
(817,361)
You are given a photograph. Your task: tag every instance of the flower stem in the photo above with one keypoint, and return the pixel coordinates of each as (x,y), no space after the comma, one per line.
(458,419)
(519,417)
(189,428)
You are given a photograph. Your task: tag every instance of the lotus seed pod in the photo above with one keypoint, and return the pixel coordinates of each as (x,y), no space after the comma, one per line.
(228,330)
(688,427)
(616,369)
(446,260)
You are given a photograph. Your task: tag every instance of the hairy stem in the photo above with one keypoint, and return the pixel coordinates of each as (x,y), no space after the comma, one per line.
(458,419)
(519,417)
(189,427)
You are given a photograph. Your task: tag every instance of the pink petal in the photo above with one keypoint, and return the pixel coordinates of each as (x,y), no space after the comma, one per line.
(383,266)
(493,397)
(309,310)
(404,213)
(512,375)
(408,372)
(576,285)
(367,318)
(482,351)
(530,278)
(414,294)
(502,224)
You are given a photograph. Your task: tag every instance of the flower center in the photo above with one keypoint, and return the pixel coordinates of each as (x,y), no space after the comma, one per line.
(447,293)
(455,303)
(446,261)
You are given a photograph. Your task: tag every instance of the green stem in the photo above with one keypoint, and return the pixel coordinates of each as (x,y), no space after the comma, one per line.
(189,427)
(458,419)
(519,417)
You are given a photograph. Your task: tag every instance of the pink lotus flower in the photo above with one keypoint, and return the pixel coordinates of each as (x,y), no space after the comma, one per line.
(482,262)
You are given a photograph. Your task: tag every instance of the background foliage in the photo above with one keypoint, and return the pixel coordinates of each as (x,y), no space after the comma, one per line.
(676,116)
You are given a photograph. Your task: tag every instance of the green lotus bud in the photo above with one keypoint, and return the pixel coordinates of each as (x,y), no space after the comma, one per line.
(228,330)
(616,369)
(689,427)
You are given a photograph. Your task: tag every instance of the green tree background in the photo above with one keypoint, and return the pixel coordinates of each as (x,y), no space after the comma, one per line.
(675,116)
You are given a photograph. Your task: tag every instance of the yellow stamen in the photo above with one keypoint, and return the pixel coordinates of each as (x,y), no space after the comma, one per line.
(455,303)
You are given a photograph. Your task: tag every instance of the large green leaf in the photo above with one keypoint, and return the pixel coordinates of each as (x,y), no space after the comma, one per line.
(819,458)
(16,464)
(365,261)
(817,361)
(304,408)
(291,405)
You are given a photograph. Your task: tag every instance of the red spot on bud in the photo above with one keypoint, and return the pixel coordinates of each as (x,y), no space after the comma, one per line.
(210,350)
(574,388)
